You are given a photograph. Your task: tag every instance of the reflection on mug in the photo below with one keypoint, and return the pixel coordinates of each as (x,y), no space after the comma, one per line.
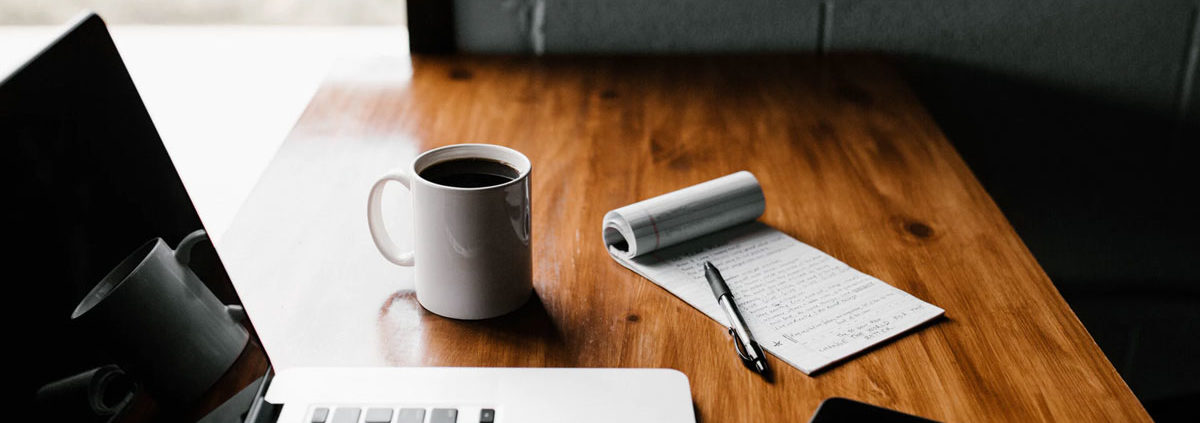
(162,323)
(410,335)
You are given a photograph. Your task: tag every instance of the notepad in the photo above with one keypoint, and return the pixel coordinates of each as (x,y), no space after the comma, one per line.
(802,305)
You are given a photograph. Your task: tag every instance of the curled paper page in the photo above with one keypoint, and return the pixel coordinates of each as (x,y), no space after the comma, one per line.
(678,216)
(804,306)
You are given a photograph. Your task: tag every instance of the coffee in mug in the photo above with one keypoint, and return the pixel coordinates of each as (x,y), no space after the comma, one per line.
(469,173)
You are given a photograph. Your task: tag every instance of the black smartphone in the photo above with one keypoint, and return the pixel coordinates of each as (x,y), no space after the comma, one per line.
(838,410)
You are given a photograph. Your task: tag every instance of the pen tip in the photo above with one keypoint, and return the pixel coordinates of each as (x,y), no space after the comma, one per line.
(708,265)
(761,366)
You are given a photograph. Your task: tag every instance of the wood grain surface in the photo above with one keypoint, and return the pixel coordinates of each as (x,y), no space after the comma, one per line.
(849,161)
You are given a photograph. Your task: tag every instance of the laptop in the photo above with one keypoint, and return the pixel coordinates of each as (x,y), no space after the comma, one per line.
(121,310)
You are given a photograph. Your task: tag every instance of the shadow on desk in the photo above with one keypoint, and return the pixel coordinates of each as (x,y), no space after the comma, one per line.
(1103,196)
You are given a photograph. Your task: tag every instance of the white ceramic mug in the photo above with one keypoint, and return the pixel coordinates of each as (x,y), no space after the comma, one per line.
(471,253)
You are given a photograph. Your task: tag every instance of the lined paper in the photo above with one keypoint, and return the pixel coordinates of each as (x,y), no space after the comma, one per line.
(802,305)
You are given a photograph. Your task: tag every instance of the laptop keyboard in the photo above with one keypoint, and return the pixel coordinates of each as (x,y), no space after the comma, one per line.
(344,414)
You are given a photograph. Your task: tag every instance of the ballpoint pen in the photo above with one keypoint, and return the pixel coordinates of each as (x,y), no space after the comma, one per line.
(747,348)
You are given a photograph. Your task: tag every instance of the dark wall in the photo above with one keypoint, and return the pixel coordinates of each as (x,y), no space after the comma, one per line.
(1137,53)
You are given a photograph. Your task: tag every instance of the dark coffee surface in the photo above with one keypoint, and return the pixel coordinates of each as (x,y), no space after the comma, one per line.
(469,173)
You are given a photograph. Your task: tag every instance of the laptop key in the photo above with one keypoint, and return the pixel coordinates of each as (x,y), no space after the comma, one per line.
(346,415)
(411,415)
(487,415)
(444,415)
(320,415)
(378,415)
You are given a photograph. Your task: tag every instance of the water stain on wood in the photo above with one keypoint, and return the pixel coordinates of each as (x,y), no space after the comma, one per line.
(674,156)
(919,230)
(823,131)
(681,162)
(915,230)
(855,95)
(885,146)
(657,148)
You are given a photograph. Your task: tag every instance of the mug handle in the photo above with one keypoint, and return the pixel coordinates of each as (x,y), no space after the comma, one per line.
(375,219)
(183,252)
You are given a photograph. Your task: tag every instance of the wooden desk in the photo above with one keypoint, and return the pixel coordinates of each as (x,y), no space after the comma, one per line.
(850,163)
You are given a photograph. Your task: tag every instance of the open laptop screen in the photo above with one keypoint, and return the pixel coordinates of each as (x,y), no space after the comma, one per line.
(117,304)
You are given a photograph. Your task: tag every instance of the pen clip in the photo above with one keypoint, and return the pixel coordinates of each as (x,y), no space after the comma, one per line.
(739,347)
